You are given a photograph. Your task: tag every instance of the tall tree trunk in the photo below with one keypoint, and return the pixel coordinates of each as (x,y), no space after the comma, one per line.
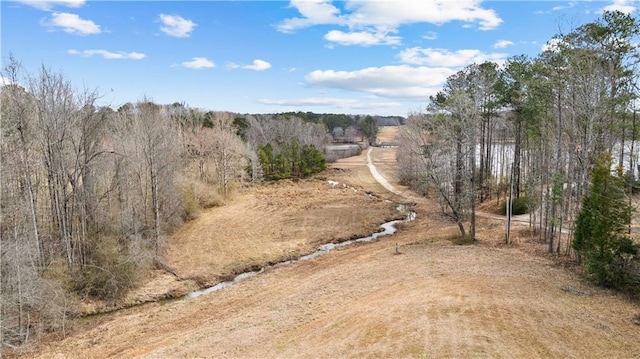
(156,207)
(631,174)
(516,156)
(33,206)
(473,185)
(459,169)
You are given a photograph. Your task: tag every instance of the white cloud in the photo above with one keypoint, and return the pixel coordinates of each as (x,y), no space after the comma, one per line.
(364,38)
(389,81)
(176,26)
(389,15)
(198,63)
(501,44)
(5,81)
(569,5)
(624,6)
(256,65)
(446,58)
(314,12)
(329,102)
(431,35)
(552,45)
(108,54)
(73,24)
(47,5)
(394,13)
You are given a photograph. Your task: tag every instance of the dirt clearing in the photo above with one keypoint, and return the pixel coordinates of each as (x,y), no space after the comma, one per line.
(433,300)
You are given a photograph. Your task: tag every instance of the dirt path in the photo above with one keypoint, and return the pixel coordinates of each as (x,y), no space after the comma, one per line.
(407,194)
(434,300)
(378,177)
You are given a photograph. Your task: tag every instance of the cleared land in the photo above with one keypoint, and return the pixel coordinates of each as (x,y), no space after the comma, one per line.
(263,225)
(434,300)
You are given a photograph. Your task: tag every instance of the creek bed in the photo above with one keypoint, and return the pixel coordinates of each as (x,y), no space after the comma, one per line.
(388,229)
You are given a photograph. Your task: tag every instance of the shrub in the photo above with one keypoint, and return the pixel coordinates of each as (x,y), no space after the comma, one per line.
(111,270)
(462,240)
(189,203)
(518,206)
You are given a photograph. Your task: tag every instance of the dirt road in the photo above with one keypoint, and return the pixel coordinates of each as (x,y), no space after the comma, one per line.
(434,300)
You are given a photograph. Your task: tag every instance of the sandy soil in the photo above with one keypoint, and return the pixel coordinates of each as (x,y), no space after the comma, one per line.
(433,300)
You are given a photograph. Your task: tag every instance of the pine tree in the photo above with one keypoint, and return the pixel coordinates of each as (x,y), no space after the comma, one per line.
(600,236)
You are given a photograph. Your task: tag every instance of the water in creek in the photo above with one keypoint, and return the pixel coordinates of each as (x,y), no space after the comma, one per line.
(388,228)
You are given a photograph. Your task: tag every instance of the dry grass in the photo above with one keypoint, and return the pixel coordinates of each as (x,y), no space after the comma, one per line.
(272,223)
(388,133)
(263,225)
(436,300)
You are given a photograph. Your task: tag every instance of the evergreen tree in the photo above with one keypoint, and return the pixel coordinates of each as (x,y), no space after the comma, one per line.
(290,161)
(369,129)
(313,161)
(600,236)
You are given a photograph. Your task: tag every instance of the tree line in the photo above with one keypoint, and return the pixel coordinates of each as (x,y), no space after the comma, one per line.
(535,129)
(349,128)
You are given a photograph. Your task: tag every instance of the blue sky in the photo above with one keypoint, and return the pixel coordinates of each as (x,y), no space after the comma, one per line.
(360,57)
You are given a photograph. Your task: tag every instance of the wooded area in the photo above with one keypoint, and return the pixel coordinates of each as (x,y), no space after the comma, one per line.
(90,194)
(533,130)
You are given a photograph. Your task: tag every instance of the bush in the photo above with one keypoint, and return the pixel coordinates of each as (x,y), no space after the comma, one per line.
(195,196)
(461,240)
(519,206)
(111,270)
(189,203)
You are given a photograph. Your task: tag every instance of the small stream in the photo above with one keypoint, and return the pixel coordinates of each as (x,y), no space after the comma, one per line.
(388,228)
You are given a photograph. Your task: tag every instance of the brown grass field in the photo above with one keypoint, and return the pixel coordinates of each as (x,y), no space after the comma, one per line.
(433,300)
